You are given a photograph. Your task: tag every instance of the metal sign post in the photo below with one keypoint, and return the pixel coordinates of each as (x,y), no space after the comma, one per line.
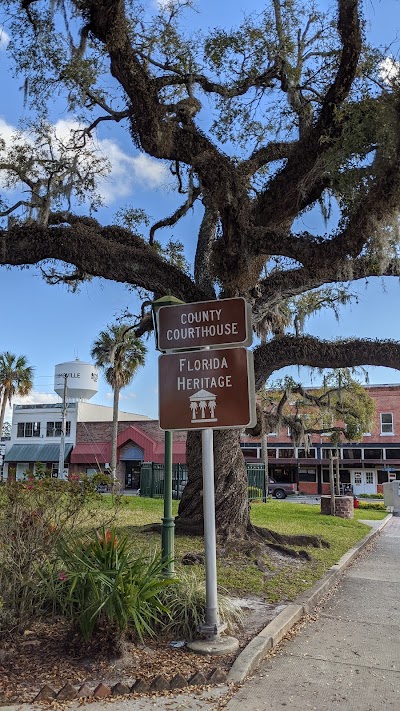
(212,627)
(210,386)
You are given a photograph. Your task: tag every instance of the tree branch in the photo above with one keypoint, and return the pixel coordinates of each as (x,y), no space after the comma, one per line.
(309,351)
(108,252)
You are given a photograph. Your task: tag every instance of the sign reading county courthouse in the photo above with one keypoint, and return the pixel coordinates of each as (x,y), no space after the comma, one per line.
(202,389)
(204,323)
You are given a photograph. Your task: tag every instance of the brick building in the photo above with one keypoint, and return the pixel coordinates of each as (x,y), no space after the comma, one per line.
(365,465)
(138,441)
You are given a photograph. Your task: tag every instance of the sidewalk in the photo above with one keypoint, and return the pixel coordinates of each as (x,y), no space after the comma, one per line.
(348,658)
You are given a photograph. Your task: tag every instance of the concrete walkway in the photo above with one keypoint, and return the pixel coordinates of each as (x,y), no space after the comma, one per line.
(349,657)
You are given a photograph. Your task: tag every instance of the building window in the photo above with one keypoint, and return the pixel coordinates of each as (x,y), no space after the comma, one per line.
(307,474)
(250,452)
(286,453)
(53,429)
(28,429)
(392,453)
(387,423)
(303,454)
(383,476)
(373,453)
(327,453)
(271,453)
(350,453)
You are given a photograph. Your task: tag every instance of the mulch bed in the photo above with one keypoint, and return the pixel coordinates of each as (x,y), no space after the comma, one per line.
(41,656)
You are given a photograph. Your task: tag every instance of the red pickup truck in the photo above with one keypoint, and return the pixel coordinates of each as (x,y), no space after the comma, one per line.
(281,490)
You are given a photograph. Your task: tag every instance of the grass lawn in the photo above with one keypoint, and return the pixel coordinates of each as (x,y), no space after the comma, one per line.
(280,579)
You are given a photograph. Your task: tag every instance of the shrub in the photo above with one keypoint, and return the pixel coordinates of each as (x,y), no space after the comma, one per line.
(186,603)
(372,506)
(34,514)
(254,492)
(101,585)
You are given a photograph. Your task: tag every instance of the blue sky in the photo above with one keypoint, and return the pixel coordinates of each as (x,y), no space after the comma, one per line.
(50,325)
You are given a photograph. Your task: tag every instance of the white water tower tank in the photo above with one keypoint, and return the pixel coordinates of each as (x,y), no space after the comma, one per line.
(82,379)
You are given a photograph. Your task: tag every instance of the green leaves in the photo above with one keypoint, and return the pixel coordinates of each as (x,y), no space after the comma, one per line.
(102,583)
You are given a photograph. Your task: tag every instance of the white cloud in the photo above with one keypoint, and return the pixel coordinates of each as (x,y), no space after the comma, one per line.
(126,171)
(34,398)
(6,131)
(389,71)
(4,38)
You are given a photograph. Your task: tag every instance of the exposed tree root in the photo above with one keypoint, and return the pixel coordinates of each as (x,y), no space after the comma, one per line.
(252,538)
(295,540)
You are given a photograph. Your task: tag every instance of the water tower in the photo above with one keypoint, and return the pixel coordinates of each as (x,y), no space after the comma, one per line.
(73,380)
(81,380)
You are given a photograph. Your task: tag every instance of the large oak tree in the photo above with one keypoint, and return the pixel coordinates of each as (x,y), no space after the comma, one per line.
(259,124)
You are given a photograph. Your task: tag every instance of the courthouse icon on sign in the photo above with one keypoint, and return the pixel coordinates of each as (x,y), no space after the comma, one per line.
(202,405)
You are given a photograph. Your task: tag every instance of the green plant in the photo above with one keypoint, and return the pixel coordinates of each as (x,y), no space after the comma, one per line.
(102,584)
(34,514)
(377,506)
(254,492)
(186,602)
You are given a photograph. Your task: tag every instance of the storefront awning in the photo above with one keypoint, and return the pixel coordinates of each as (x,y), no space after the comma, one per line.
(91,453)
(36,453)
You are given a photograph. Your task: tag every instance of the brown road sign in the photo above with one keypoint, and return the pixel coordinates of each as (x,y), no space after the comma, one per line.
(206,388)
(225,322)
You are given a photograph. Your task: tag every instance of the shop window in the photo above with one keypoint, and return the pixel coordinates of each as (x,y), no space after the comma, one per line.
(350,453)
(53,429)
(392,453)
(345,477)
(373,453)
(325,476)
(383,476)
(387,423)
(307,474)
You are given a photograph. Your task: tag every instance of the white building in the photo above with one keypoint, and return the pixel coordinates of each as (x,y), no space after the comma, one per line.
(36,434)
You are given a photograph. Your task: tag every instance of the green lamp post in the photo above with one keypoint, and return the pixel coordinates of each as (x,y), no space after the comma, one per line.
(168,521)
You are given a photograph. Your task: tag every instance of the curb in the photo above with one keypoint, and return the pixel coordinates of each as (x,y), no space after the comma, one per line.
(251,656)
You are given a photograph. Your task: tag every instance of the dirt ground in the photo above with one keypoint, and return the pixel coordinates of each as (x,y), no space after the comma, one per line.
(40,656)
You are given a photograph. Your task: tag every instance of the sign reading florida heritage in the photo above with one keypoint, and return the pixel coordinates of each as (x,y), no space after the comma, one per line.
(202,389)
(204,324)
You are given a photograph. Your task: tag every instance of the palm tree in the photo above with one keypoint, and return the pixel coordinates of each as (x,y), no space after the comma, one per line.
(118,353)
(15,379)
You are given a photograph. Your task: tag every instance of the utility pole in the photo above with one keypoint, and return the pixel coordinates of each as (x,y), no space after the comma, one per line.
(63,428)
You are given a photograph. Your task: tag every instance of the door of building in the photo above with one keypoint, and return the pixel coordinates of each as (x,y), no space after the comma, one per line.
(132,474)
(363,481)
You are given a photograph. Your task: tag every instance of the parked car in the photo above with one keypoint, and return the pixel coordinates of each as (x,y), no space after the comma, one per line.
(281,490)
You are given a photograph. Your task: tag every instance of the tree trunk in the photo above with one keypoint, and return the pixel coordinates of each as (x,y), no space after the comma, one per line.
(114,435)
(3,410)
(231,499)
